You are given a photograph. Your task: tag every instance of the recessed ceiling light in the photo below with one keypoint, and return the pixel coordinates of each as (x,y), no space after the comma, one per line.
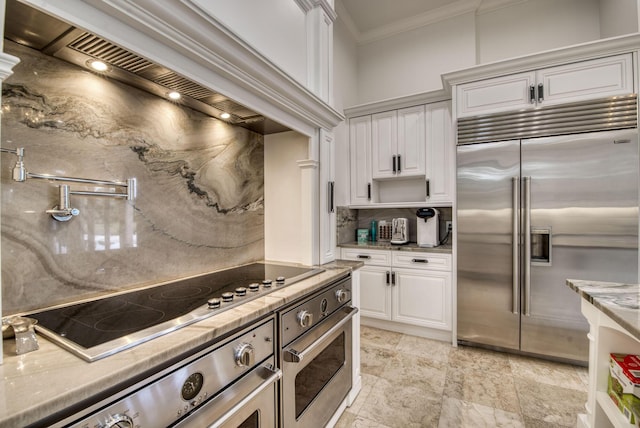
(98,65)
(225,115)
(174,95)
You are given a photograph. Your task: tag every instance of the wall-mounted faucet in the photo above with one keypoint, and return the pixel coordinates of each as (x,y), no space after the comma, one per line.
(63,211)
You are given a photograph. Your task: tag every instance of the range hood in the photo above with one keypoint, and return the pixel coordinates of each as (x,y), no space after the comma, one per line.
(51,36)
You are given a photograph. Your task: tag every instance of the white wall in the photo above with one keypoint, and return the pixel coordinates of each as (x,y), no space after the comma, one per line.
(536,26)
(282,206)
(275,28)
(412,62)
(345,73)
(618,17)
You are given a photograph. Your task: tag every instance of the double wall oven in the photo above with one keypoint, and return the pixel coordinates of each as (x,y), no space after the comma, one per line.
(292,368)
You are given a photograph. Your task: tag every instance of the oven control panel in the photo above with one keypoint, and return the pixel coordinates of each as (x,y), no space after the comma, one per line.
(190,385)
(303,316)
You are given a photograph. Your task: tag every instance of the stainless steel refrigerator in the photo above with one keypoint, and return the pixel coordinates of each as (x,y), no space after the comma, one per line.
(532,213)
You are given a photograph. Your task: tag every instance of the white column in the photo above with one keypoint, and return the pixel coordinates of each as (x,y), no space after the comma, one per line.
(320,16)
(309,230)
(7,62)
(327,213)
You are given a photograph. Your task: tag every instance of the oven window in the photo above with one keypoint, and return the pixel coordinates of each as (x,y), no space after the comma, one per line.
(252,421)
(318,373)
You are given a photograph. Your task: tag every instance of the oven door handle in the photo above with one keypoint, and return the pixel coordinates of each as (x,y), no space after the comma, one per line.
(290,355)
(275,375)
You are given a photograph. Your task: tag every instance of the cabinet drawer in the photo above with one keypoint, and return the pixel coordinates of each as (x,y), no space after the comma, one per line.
(432,261)
(369,257)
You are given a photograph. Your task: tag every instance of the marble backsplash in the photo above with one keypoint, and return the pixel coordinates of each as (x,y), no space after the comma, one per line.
(199,204)
(349,220)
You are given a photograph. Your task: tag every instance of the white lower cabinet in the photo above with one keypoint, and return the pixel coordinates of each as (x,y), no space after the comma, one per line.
(405,289)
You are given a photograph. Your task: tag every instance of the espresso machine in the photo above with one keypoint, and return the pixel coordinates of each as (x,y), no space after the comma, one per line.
(428,227)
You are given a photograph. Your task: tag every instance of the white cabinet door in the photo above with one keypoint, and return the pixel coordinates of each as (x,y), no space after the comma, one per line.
(422,297)
(411,142)
(495,95)
(375,292)
(598,78)
(440,157)
(384,144)
(360,159)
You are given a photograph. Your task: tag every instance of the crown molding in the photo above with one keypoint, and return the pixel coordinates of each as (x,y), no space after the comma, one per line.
(488,6)
(564,55)
(307,5)
(397,103)
(7,62)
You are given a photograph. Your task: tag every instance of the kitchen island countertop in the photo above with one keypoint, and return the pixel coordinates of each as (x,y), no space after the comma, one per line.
(621,302)
(386,245)
(51,379)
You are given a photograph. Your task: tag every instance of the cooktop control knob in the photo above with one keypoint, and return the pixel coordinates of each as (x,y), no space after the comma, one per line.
(119,421)
(305,318)
(214,303)
(241,291)
(244,355)
(280,280)
(254,286)
(227,296)
(341,295)
(267,283)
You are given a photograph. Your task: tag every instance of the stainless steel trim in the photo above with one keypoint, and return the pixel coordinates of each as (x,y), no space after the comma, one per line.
(515,243)
(585,116)
(275,376)
(527,246)
(291,355)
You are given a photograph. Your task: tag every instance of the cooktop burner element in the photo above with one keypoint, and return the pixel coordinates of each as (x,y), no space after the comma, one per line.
(96,329)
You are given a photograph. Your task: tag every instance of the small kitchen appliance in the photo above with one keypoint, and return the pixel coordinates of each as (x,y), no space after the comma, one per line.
(399,231)
(427,227)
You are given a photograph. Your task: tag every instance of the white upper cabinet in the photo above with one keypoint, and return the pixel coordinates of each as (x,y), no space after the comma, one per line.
(398,143)
(440,156)
(597,78)
(360,159)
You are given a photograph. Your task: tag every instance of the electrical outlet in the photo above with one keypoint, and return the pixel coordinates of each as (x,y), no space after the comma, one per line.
(449,225)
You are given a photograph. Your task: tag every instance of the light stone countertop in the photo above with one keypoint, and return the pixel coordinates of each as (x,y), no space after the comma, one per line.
(386,245)
(40,383)
(621,302)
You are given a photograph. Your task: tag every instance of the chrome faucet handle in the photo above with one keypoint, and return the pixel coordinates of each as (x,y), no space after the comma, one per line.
(62,211)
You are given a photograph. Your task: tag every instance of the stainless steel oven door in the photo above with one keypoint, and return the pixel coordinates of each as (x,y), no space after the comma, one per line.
(249,403)
(316,372)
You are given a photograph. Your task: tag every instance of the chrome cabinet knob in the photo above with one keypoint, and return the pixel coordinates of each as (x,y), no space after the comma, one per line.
(244,355)
(305,318)
(341,296)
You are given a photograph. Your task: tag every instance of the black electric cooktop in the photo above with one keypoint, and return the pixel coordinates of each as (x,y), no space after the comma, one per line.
(96,329)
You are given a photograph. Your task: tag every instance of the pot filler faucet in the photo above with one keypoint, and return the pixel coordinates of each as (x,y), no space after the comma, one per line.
(63,211)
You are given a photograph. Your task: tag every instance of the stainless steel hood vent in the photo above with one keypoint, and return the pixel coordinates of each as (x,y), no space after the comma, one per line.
(587,116)
(30,27)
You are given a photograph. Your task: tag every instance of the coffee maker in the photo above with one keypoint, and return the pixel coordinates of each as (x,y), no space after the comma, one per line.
(428,227)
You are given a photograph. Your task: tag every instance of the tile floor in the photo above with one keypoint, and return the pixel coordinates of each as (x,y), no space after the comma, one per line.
(414,382)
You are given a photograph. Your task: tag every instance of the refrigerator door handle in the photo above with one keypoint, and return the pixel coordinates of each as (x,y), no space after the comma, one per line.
(527,246)
(515,244)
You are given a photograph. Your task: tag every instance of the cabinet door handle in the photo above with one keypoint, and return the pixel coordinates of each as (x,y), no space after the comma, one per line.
(419,261)
(540,92)
(369,191)
(394,163)
(364,256)
(428,188)
(331,194)
(393,278)
(532,94)
(399,168)
(388,273)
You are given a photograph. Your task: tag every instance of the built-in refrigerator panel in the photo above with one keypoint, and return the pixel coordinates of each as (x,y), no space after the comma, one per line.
(488,304)
(581,195)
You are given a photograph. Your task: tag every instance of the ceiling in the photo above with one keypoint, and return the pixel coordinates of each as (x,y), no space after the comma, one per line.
(32,28)
(368,15)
